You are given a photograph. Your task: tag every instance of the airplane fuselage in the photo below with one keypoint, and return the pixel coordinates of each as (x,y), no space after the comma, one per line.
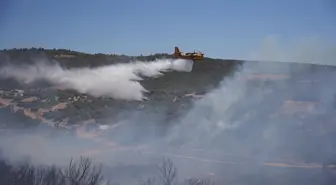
(193,57)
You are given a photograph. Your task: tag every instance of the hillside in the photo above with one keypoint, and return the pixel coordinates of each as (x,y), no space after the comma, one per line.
(276,118)
(205,75)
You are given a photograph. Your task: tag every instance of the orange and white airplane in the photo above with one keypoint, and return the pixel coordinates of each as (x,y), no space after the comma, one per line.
(189,56)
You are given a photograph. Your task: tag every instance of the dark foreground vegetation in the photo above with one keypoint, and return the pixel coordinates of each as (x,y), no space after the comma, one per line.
(84,172)
(75,174)
(81,172)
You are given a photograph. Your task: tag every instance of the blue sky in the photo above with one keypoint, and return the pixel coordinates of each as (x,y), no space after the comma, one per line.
(220,28)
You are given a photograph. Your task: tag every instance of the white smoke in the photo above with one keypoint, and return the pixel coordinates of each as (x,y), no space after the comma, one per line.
(245,107)
(211,114)
(312,50)
(119,81)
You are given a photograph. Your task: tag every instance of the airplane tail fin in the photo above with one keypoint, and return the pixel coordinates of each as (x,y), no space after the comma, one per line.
(177,51)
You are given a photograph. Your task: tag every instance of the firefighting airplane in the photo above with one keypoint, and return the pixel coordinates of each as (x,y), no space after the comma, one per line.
(189,56)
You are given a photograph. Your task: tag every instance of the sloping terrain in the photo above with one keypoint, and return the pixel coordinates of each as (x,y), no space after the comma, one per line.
(165,92)
(233,121)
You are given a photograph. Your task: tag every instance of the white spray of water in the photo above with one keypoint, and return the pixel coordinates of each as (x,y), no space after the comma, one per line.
(120,81)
